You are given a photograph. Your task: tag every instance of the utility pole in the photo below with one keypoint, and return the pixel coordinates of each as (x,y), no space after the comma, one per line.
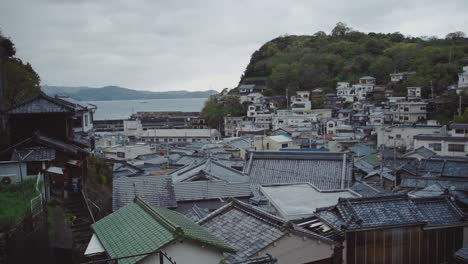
(287,97)
(460,105)
(432,91)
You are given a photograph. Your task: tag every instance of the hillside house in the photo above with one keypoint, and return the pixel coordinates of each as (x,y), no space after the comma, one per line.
(142,230)
(253,232)
(410,112)
(399,76)
(374,233)
(462,79)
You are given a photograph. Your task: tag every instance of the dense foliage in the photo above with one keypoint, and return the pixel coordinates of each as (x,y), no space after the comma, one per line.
(321,60)
(21,81)
(216,109)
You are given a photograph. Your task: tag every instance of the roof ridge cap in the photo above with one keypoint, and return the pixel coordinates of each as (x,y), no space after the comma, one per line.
(174,229)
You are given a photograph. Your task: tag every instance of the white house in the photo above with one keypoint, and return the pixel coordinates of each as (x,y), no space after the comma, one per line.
(285,118)
(132,128)
(273,143)
(410,112)
(301,101)
(414,93)
(398,76)
(357,91)
(443,144)
(463,78)
(403,135)
(180,135)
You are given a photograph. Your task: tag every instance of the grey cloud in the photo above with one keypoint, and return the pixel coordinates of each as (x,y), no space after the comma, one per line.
(192,44)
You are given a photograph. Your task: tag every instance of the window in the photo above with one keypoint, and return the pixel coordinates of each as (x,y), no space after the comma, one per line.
(406,109)
(121,154)
(284,145)
(456,147)
(398,136)
(406,118)
(459,131)
(423,108)
(268,145)
(390,137)
(86,120)
(435,146)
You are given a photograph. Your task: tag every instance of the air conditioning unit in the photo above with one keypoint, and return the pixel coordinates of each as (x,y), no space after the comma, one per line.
(7,179)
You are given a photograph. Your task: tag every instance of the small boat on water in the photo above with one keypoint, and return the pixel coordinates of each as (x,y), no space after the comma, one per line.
(143,102)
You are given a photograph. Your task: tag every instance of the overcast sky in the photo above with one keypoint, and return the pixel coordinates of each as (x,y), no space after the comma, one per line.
(191,45)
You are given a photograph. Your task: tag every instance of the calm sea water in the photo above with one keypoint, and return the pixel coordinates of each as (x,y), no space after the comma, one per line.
(123,109)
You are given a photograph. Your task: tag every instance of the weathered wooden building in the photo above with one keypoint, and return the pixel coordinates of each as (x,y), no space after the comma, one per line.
(397,229)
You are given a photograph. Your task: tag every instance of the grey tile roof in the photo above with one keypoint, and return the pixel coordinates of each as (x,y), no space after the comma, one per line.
(210,168)
(462,254)
(423,151)
(387,211)
(42,104)
(419,182)
(324,170)
(196,213)
(206,190)
(184,160)
(366,190)
(156,190)
(34,154)
(245,229)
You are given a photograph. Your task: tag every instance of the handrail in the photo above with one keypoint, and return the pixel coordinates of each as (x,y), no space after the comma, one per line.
(161,253)
(85,198)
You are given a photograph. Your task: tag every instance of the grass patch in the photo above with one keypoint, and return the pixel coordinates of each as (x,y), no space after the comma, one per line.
(15,202)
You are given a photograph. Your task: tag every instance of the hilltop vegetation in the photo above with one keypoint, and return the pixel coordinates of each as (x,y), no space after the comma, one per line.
(21,81)
(321,60)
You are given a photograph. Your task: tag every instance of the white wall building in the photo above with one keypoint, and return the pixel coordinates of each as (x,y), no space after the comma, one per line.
(273,143)
(410,112)
(463,78)
(414,93)
(301,102)
(357,91)
(443,144)
(285,118)
(180,135)
(402,135)
(132,128)
(398,76)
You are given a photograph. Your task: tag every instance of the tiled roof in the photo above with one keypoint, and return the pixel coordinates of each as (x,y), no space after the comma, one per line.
(387,211)
(156,190)
(244,228)
(324,170)
(366,190)
(206,190)
(249,230)
(419,182)
(42,104)
(210,168)
(196,213)
(139,228)
(462,254)
(33,154)
(444,167)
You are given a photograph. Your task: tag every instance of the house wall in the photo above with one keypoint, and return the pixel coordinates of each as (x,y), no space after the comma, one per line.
(444,147)
(403,136)
(410,112)
(403,245)
(292,248)
(266,143)
(87,121)
(187,251)
(52,125)
(9,168)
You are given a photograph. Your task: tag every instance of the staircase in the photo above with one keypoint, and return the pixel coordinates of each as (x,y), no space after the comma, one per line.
(81,225)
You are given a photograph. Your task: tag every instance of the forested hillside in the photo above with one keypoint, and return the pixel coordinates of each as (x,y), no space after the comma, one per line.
(321,60)
(21,81)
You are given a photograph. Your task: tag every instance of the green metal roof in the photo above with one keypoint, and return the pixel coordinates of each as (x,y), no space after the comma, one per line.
(139,228)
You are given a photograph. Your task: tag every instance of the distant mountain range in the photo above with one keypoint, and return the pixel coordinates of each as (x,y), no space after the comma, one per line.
(109,93)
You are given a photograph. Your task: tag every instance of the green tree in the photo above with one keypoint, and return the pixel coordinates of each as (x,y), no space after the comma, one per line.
(216,109)
(340,30)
